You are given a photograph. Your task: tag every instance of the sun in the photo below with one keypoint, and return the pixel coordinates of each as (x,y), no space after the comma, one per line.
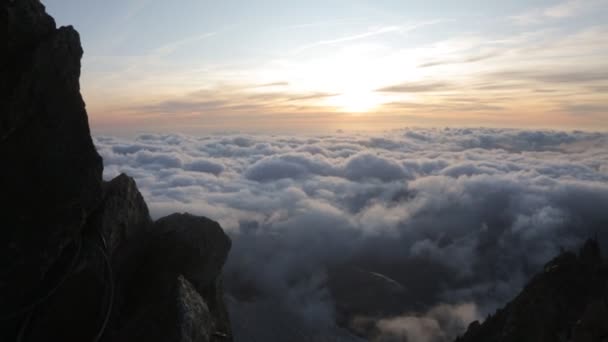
(355,101)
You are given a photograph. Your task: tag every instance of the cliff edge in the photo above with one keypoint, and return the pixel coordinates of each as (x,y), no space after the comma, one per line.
(80,258)
(567,301)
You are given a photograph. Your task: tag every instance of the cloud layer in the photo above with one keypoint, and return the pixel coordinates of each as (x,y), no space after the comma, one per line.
(451,221)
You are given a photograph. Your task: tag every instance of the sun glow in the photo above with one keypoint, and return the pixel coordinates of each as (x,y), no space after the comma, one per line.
(349,75)
(357,101)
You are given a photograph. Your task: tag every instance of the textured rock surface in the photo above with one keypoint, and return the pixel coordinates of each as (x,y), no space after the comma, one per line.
(81,259)
(568,301)
(179,245)
(178,314)
(41,95)
(124,212)
(51,174)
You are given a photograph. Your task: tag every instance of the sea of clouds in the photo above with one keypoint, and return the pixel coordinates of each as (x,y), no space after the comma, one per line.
(458,218)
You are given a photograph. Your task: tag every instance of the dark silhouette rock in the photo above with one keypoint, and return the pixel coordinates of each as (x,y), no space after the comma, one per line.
(593,325)
(568,301)
(124,213)
(81,259)
(180,244)
(178,314)
(51,174)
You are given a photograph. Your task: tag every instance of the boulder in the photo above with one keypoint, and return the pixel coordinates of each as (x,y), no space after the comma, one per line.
(178,313)
(179,244)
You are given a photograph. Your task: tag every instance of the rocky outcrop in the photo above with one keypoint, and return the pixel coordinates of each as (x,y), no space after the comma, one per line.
(568,301)
(179,245)
(123,214)
(80,258)
(51,174)
(178,313)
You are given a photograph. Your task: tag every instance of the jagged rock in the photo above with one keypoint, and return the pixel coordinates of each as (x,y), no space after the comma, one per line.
(80,259)
(566,302)
(124,213)
(51,174)
(26,26)
(186,236)
(590,253)
(593,325)
(77,309)
(196,322)
(179,314)
(192,246)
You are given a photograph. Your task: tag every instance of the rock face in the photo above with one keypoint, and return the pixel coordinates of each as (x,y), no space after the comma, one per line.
(51,174)
(80,258)
(177,246)
(568,301)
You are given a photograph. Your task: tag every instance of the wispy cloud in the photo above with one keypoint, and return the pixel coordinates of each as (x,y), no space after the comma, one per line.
(468,59)
(417,87)
(587,108)
(552,76)
(173,46)
(232,100)
(562,10)
(273,84)
(370,33)
(324,23)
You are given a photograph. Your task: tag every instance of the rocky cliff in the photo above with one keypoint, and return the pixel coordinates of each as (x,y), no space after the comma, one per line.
(80,258)
(568,301)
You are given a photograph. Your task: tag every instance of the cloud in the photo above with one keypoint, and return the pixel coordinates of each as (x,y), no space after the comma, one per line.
(368,34)
(273,84)
(204,165)
(230,100)
(565,9)
(179,43)
(416,87)
(440,323)
(371,166)
(587,108)
(287,166)
(471,59)
(458,218)
(182,106)
(553,77)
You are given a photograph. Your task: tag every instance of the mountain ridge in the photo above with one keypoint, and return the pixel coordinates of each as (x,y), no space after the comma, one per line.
(567,301)
(81,258)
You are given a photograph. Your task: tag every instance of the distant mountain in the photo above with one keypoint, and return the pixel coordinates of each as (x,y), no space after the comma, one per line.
(567,301)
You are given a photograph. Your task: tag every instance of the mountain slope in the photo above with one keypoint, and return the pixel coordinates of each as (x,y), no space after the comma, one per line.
(568,301)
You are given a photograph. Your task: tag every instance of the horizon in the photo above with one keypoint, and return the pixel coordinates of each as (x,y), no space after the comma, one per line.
(276,66)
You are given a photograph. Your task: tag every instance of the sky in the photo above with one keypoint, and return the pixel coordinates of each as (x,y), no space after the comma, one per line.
(279,66)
